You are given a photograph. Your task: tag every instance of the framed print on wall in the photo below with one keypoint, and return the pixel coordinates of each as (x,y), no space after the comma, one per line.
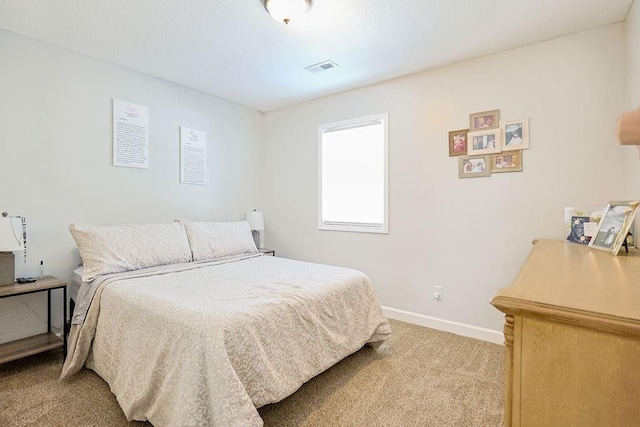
(614,226)
(506,162)
(458,142)
(484,142)
(484,120)
(515,135)
(473,166)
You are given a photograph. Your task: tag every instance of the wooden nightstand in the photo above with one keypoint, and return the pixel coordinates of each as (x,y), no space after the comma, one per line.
(267,251)
(42,342)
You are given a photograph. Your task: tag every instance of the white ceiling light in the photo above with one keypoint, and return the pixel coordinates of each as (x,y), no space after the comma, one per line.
(287,10)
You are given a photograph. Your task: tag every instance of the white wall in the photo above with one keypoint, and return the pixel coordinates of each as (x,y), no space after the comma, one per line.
(55,158)
(470,236)
(632,32)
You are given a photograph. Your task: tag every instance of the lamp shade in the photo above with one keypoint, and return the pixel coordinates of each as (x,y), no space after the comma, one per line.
(286,11)
(255,220)
(9,236)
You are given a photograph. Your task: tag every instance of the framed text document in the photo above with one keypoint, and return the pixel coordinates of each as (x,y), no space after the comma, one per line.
(193,156)
(130,135)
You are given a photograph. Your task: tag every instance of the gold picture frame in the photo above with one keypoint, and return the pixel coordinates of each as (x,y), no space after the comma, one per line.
(510,161)
(484,120)
(473,166)
(458,142)
(614,226)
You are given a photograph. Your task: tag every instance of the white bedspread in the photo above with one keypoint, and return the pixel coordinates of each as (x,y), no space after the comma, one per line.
(207,345)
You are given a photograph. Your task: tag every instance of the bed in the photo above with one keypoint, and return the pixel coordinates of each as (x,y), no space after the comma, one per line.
(206,342)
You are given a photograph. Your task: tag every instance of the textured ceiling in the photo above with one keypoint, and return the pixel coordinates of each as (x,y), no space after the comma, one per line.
(233,49)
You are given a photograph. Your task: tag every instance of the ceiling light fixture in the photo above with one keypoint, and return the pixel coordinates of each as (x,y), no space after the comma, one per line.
(287,10)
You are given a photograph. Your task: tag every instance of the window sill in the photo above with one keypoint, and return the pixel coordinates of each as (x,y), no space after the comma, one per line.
(354,229)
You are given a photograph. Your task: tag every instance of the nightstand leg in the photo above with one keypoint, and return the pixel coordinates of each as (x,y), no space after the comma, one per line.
(49,310)
(64,324)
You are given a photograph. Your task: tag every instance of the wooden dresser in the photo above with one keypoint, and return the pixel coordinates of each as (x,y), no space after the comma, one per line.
(572,338)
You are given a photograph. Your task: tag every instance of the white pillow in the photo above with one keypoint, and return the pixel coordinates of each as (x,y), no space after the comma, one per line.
(211,240)
(112,249)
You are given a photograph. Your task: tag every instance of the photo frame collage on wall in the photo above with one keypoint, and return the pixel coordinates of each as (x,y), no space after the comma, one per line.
(489,145)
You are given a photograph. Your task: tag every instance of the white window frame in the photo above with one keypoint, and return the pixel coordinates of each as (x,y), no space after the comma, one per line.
(347,226)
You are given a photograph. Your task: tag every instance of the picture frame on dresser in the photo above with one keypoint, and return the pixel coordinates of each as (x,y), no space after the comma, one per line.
(614,226)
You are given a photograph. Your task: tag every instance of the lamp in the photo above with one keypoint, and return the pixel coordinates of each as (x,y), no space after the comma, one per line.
(9,242)
(256,223)
(287,10)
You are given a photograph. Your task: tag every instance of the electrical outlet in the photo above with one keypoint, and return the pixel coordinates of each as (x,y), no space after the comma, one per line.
(437,293)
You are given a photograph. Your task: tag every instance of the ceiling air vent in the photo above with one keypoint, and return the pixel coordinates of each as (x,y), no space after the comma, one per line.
(322,66)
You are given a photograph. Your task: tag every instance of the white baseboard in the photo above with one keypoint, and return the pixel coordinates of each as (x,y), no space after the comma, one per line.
(457,328)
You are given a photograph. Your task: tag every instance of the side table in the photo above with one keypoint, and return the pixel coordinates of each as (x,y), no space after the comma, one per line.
(42,342)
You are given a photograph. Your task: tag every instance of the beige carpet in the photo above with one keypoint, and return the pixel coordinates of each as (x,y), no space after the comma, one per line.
(419,377)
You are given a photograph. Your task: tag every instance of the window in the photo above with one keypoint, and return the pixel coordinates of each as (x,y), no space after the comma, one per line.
(353,158)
